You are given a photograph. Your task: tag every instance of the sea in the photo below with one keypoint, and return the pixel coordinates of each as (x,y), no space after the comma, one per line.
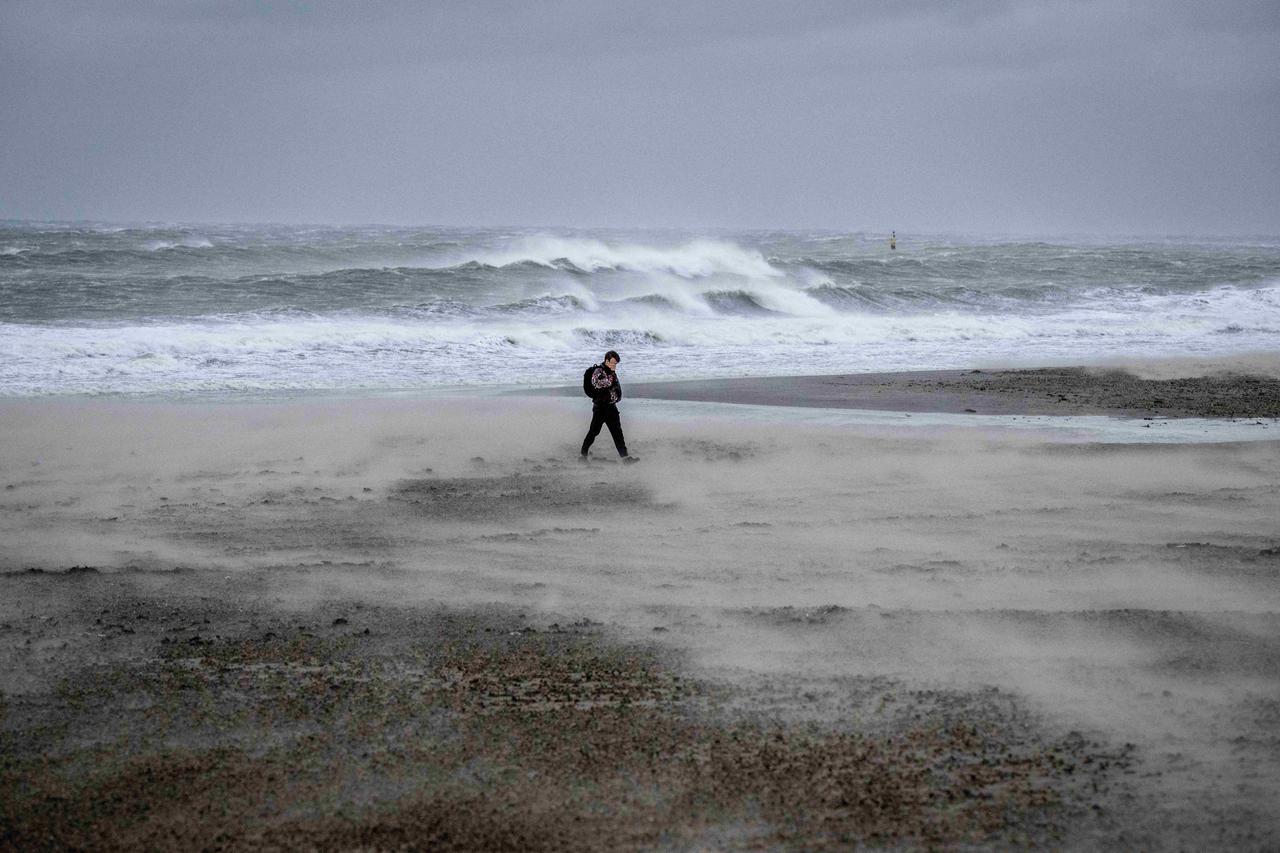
(280,310)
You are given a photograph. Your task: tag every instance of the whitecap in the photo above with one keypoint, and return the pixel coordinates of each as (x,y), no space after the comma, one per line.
(694,259)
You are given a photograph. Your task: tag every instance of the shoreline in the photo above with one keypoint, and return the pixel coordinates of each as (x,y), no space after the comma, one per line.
(1242,385)
(1038,391)
(1049,391)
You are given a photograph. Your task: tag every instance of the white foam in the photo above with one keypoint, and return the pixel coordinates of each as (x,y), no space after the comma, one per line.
(293,350)
(693,259)
(185,243)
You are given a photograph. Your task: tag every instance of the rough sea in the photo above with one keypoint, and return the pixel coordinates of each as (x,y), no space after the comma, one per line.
(186,310)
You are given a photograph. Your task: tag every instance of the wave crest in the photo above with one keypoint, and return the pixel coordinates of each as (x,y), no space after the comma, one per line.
(547,304)
(694,259)
(738,303)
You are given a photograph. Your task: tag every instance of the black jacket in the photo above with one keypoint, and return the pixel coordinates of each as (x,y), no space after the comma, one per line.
(608,389)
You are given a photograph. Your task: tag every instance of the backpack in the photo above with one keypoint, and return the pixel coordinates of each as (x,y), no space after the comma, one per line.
(587,387)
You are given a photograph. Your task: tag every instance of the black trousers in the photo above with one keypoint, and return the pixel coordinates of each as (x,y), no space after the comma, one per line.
(606,415)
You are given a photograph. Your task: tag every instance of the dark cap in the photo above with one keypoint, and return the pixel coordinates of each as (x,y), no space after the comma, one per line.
(612,355)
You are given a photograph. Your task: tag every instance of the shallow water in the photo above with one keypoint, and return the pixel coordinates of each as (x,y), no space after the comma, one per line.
(1093,429)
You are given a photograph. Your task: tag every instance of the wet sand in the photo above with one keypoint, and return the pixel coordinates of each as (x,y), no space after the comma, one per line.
(423,623)
(1045,391)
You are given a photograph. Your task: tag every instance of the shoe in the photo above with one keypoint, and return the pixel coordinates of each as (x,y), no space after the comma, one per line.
(582,457)
(630,459)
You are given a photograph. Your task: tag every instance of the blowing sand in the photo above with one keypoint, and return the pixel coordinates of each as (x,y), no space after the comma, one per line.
(423,623)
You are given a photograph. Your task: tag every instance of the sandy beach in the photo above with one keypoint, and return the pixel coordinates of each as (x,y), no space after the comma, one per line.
(423,623)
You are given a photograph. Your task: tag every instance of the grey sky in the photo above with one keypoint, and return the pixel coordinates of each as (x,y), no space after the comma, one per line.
(979,116)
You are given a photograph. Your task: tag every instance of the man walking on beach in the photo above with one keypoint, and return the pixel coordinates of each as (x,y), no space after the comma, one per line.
(606,391)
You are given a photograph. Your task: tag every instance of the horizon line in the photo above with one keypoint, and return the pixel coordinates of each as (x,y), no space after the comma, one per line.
(742,229)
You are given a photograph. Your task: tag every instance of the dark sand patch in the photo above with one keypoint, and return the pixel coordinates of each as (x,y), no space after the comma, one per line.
(1259,562)
(1180,644)
(520,495)
(275,523)
(1047,391)
(716,451)
(380,727)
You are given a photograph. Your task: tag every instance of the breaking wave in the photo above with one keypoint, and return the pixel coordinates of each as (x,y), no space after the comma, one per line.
(174,309)
(689,260)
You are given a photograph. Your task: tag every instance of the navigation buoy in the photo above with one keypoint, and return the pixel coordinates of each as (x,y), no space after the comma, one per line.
(893,240)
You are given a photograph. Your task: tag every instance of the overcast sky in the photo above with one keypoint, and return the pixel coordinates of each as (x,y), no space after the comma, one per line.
(1036,117)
